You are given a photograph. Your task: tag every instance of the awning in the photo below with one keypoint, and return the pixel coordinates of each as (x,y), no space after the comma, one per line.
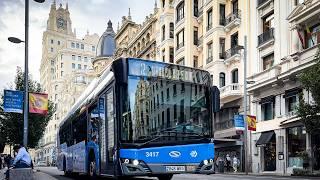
(264,138)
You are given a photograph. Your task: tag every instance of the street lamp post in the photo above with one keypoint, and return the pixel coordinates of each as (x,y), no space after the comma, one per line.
(26,92)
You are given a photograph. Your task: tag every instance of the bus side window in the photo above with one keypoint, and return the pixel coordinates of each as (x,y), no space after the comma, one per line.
(110,120)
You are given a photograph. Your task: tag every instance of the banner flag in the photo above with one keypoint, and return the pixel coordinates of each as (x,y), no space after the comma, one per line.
(252,122)
(13,101)
(38,103)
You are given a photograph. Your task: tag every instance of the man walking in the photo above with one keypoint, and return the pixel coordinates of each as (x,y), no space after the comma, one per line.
(235,163)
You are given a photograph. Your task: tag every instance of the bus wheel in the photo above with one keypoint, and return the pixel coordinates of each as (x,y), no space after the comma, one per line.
(165,177)
(92,169)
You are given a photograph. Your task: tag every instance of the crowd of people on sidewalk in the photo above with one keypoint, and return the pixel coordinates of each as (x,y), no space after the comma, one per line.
(227,162)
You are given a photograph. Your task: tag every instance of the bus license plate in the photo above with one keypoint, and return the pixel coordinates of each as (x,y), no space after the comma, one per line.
(175,168)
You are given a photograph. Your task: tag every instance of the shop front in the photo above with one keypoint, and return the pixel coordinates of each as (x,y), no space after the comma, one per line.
(297,155)
(267,144)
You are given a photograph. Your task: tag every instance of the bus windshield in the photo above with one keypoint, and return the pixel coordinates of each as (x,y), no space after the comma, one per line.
(159,107)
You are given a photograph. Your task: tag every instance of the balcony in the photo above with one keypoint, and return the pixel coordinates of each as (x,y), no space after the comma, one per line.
(226,128)
(232,20)
(224,125)
(232,55)
(266,38)
(230,92)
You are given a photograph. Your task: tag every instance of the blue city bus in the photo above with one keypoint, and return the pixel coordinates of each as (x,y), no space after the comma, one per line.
(141,118)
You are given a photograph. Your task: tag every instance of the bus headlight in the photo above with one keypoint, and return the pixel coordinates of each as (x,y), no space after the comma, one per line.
(135,162)
(211,161)
(126,161)
(205,162)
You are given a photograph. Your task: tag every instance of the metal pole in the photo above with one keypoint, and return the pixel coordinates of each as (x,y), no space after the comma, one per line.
(26,93)
(245,139)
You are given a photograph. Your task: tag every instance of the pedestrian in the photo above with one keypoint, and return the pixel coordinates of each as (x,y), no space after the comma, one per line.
(228,162)
(235,163)
(21,160)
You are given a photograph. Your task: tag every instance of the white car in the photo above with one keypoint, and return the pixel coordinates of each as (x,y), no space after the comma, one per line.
(41,163)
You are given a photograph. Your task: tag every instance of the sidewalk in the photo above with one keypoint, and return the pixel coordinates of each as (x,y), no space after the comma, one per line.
(37,175)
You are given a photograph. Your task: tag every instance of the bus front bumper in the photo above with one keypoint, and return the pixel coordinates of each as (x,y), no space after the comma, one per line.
(154,169)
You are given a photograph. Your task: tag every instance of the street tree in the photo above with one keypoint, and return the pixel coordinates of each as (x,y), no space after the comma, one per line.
(309,113)
(11,124)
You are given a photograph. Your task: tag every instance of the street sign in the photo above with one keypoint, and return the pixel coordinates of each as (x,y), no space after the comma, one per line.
(239,122)
(13,101)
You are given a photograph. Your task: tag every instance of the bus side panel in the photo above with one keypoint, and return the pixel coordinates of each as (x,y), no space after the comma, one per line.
(62,153)
(79,157)
(91,146)
(69,164)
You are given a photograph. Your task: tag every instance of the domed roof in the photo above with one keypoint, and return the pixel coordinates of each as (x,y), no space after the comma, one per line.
(107,44)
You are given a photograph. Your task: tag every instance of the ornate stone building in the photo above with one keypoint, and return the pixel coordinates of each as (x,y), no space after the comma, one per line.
(65,71)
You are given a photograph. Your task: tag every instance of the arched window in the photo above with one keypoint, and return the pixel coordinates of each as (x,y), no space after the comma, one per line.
(222,79)
(171,30)
(235,77)
(163,32)
(148,37)
(143,42)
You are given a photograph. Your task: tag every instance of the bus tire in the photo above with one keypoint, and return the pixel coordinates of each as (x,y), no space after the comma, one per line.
(165,177)
(65,172)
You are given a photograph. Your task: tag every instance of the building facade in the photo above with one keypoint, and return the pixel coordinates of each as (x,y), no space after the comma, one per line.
(65,71)
(280,47)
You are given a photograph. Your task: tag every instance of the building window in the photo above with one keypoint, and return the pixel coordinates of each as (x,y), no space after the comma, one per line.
(163,32)
(222,46)
(297,2)
(171,54)
(195,8)
(52,70)
(51,41)
(58,42)
(73,45)
(235,77)
(163,55)
(163,3)
(312,35)
(222,79)
(51,49)
(168,93)
(93,48)
(267,61)
(234,40)
(209,19)
(55,87)
(73,57)
(52,62)
(85,67)
(195,35)
(56,97)
(209,52)
(235,6)
(79,58)
(82,46)
(267,108)
(61,65)
(195,62)
(296,146)
(77,45)
(268,22)
(61,73)
(180,11)
(291,104)
(222,14)
(85,59)
(180,39)
(171,30)
(79,66)
(180,61)
(73,66)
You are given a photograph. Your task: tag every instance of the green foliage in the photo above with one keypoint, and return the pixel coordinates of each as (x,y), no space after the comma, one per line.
(11,124)
(310,113)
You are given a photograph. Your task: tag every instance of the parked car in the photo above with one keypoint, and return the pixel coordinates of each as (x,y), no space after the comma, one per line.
(41,163)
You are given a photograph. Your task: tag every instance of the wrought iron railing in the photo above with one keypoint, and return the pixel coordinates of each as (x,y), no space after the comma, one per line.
(231,52)
(232,16)
(266,36)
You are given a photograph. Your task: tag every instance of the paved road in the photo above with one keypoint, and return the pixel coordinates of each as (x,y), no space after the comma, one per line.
(52,171)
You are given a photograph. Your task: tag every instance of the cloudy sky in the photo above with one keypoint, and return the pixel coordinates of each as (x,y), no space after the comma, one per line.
(91,15)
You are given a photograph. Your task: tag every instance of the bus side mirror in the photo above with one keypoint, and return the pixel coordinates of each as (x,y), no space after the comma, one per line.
(215,99)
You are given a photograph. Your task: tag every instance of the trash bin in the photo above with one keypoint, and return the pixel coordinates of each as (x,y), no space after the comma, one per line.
(221,167)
